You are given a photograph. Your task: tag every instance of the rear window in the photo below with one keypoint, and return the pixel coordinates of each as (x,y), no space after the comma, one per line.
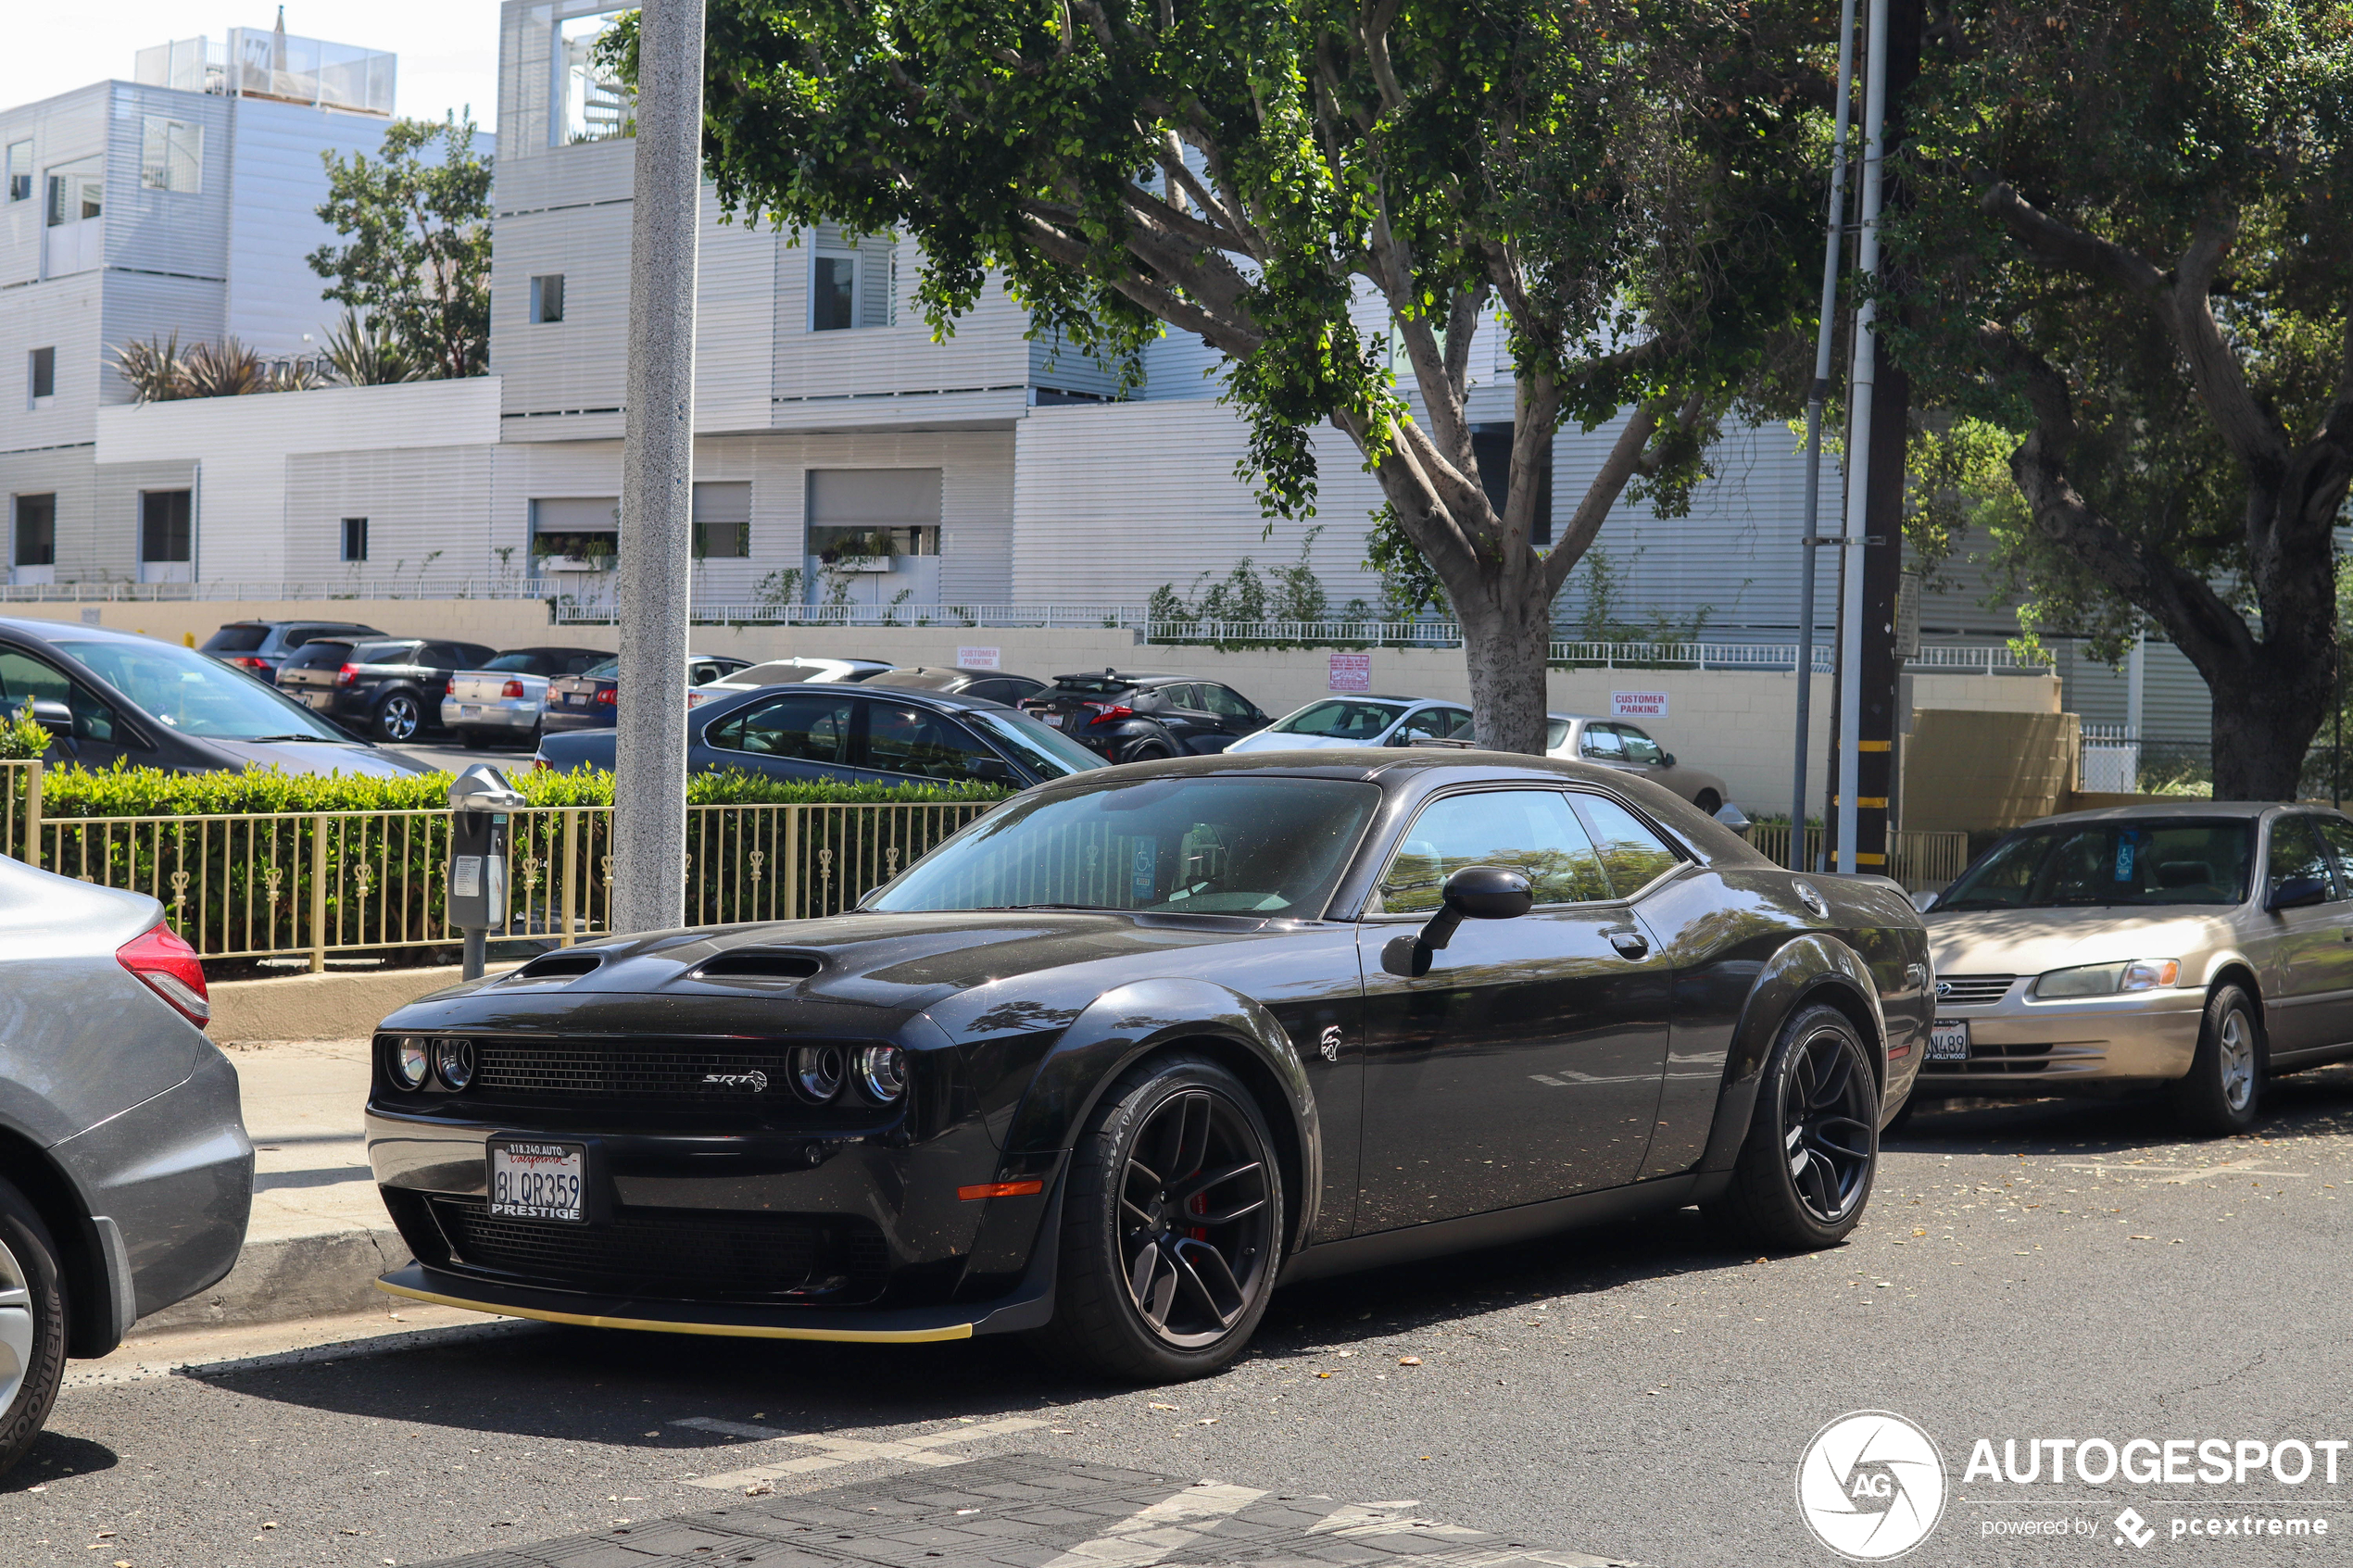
(1089,685)
(310,656)
(236,639)
(523,663)
(604,667)
(383,653)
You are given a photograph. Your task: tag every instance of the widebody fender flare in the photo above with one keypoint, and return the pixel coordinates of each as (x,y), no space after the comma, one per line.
(1815,962)
(1128,1022)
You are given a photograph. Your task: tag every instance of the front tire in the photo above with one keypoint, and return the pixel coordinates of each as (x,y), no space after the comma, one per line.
(1172,1227)
(33,1325)
(2223,1093)
(397,718)
(1708,801)
(1804,1174)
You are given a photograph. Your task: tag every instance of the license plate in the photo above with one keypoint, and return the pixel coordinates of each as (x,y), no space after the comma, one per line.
(578,699)
(1949,1040)
(470,710)
(1051,720)
(532,1179)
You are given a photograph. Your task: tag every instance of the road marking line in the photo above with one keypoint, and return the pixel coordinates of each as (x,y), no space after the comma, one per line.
(919,1449)
(2179,1175)
(1153,1534)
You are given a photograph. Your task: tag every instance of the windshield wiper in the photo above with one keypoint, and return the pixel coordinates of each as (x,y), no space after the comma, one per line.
(1088,909)
(264,740)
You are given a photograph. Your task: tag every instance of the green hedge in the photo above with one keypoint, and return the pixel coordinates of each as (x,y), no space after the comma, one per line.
(151,792)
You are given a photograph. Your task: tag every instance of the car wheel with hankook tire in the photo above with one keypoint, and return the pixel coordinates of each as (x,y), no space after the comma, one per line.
(1172,1226)
(1805,1172)
(33,1325)
(2224,1091)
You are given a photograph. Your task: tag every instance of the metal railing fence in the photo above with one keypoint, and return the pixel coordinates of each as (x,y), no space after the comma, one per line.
(312,884)
(1917,860)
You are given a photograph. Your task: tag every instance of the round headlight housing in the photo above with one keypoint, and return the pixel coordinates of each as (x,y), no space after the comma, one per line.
(407,1060)
(817,1071)
(881,1073)
(453,1063)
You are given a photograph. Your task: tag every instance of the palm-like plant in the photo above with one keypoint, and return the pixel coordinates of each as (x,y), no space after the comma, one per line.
(362,352)
(227,368)
(154,369)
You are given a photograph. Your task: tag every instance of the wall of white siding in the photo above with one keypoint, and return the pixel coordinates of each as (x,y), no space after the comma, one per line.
(735,322)
(183,233)
(144,306)
(428,511)
(69,474)
(65,129)
(564,211)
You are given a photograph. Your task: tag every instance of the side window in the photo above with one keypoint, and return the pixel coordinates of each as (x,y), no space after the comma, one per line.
(1186,698)
(1227,704)
(24,678)
(2295,851)
(1455,723)
(441,656)
(996,691)
(1529,831)
(1631,854)
(1639,747)
(2338,835)
(1601,741)
(920,743)
(803,727)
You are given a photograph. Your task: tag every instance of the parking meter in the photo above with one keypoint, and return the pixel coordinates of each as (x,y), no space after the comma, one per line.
(479,799)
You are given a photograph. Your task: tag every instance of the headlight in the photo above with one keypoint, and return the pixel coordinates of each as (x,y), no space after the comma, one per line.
(817,1070)
(2107,979)
(453,1063)
(406,1061)
(881,1073)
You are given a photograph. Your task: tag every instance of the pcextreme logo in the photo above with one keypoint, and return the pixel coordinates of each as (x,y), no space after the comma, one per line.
(1871,1486)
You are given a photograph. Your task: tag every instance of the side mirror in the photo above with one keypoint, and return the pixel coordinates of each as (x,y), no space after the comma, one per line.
(2296,893)
(1924,901)
(1472,893)
(1667,760)
(52,716)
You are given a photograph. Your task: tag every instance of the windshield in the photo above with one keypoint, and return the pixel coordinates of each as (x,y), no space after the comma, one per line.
(1178,845)
(184,691)
(1048,753)
(2127,862)
(1341,719)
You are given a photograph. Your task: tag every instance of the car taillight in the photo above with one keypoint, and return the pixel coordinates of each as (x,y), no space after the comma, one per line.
(608,695)
(541,765)
(512,688)
(246,661)
(1107,712)
(169,968)
(347,674)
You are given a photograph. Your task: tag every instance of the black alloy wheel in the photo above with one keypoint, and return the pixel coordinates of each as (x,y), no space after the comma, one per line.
(1805,1172)
(398,717)
(1172,1226)
(33,1329)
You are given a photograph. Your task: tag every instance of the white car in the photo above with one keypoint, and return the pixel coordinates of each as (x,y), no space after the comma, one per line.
(789,673)
(1614,743)
(1359,720)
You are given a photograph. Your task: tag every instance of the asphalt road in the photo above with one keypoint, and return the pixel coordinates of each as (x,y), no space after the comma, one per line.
(1639,1393)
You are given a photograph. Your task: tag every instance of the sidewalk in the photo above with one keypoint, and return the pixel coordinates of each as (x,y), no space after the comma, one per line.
(319,1236)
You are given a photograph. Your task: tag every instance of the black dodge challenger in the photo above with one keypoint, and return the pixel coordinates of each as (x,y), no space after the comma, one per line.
(1139,1045)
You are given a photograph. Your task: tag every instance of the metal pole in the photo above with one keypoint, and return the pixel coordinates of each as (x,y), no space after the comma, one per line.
(1858,446)
(657,475)
(1824,332)
(476,953)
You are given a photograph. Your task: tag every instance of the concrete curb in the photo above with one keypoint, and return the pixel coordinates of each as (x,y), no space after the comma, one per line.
(321,1006)
(324,1275)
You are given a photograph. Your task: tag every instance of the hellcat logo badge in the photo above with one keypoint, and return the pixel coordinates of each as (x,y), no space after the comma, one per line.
(1331,1043)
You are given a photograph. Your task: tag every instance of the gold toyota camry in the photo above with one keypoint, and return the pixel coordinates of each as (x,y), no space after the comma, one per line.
(2204,946)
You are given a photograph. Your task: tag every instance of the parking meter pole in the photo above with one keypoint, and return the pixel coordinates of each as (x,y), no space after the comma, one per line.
(477,953)
(657,474)
(481,801)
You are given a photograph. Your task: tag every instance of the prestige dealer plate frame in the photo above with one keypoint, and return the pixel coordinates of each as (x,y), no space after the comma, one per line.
(527,1178)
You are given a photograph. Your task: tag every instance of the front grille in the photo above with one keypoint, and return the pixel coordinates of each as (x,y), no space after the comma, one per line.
(678,1254)
(1996,1059)
(1972,990)
(559,1070)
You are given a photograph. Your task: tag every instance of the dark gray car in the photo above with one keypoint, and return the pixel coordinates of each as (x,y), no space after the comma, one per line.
(259,647)
(125,1172)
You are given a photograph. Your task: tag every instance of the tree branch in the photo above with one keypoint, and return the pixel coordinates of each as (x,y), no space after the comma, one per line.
(1608,482)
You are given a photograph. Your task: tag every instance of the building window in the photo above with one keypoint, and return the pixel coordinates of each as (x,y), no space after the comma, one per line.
(595,101)
(171,154)
(77,194)
(548,297)
(722,518)
(36,531)
(354,538)
(43,374)
(164,533)
(851,284)
(833,297)
(19,171)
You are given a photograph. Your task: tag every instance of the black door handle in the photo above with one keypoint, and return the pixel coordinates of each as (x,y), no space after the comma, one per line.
(1629,944)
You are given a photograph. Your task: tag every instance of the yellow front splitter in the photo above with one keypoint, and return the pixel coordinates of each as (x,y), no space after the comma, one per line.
(656,1325)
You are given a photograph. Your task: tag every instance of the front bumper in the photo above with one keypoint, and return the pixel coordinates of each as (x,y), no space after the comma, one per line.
(2026,1048)
(518,715)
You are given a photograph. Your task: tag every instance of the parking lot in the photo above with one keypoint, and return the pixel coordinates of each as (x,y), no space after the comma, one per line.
(1635,1395)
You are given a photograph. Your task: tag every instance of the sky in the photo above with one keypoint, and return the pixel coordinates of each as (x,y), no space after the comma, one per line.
(448,49)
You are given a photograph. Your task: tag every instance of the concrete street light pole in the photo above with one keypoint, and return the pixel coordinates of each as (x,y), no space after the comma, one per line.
(657,475)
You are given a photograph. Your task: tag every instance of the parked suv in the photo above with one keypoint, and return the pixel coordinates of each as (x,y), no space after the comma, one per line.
(1136,718)
(258,647)
(393,688)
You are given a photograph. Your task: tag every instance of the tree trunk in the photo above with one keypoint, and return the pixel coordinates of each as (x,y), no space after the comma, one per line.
(1507,637)
(2269,700)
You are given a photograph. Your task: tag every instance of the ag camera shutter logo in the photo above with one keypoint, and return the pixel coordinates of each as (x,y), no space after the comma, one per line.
(1871,1486)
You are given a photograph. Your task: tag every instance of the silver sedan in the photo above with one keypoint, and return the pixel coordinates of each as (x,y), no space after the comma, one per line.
(125,1172)
(1614,743)
(2202,947)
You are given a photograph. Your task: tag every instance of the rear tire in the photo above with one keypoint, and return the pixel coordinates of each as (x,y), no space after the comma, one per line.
(398,718)
(33,1325)
(1172,1227)
(1708,801)
(1803,1176)
(1149,751)
(2223,1093)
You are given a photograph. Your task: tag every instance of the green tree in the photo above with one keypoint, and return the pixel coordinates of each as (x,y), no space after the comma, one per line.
(2134,249)
(1324,192)
(417,261)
